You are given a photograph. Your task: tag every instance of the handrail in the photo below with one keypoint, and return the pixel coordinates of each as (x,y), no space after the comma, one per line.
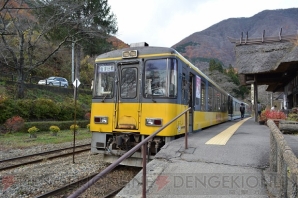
(126,155)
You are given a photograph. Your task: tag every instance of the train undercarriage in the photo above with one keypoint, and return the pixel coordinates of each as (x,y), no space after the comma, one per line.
(114,145)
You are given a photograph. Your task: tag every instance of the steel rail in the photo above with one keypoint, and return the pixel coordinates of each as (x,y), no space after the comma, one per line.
(59,190)
(43,153)
(42,159)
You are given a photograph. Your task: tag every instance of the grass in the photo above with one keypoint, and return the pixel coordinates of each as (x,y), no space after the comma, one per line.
(22,140)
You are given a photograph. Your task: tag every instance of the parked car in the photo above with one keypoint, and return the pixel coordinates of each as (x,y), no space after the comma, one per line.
(54,81)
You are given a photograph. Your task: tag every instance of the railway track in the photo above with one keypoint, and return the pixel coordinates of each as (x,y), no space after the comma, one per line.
(108,192)
(39,157)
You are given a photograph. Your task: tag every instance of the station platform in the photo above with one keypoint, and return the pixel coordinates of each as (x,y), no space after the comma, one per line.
(226,160)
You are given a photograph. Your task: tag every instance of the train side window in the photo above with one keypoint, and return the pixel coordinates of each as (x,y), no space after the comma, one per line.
(218,100)
(184,89)
(203,96)
(210,98)
(223,103)
(198,93)
(215,100)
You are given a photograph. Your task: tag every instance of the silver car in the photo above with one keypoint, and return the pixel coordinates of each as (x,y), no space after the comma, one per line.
(54,81)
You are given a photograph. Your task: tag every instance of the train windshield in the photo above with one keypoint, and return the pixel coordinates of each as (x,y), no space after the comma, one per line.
(161,78)
(104,80)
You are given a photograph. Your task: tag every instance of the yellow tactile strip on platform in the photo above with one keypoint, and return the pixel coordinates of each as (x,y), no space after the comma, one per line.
(223,137)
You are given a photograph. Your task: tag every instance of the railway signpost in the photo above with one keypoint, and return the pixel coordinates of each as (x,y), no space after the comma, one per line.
(76,83)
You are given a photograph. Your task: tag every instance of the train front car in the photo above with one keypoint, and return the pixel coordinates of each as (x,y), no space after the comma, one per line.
(138,90)
(135,93)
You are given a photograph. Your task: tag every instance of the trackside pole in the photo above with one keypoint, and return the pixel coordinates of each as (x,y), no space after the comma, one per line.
(186,147)
(76,83)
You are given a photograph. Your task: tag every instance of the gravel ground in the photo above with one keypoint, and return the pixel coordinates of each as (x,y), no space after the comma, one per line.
(36,179)
(4,153)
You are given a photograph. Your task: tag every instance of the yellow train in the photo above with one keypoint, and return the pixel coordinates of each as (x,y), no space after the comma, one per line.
(139,89)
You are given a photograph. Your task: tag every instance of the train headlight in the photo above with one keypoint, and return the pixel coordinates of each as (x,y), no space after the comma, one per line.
(101,120)
(153,122)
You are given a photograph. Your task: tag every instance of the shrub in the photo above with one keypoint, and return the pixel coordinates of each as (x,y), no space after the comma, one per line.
(33,130)
(74,127)
(45,109)
(273,114)
(14,124)
(68,110)
(45,125)
(24,108)
(87,116)
(54,129)
(7,107)
(293,117)
(88,126)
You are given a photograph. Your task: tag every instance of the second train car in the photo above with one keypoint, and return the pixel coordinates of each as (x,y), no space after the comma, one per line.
(139,89)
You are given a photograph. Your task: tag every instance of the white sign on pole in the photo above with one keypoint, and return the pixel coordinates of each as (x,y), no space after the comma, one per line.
(76,83)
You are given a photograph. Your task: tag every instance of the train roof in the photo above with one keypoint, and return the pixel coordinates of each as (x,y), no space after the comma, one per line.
(152,51)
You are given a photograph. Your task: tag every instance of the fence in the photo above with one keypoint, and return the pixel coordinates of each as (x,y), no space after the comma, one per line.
(283,163)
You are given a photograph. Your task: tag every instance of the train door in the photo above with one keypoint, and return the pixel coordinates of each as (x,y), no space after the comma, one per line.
(230,106)
(191,100)
(184,100)
(127,104)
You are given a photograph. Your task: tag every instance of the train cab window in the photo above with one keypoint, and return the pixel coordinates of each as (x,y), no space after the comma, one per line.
(104,80)
(161,78)
(128,86)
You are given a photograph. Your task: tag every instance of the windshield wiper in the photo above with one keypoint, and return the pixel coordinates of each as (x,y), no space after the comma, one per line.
(104,98)
(106,94)
(152,98)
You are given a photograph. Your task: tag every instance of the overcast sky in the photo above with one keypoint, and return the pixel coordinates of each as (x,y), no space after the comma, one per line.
(166,22)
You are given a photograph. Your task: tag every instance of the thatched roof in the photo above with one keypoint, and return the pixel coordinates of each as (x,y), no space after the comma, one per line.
(272,61)
(261,58)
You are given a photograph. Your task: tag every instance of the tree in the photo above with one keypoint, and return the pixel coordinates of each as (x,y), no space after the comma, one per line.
(228,80)
(215,65)
(32,32)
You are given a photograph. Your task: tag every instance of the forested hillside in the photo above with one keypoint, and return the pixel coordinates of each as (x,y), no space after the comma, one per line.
(213,43)
(211,46)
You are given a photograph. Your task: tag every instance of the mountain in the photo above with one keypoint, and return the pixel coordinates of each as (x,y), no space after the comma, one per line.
(213,43)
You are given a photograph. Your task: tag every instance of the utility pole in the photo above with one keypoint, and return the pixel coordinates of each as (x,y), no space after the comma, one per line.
(72,60)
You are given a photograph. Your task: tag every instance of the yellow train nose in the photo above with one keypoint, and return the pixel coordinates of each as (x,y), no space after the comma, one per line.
(127,122)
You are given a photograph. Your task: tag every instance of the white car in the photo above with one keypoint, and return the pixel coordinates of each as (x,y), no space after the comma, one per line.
(54,81)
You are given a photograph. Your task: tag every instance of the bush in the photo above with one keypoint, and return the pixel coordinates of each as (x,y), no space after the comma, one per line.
(45,109)
(41,109)
(269,114)
(74,127)
(45,125)
(7,108)
(68,110)
(54,129)
(87,116)
(293,117)
(24,108)
(33,130)
(14,124)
